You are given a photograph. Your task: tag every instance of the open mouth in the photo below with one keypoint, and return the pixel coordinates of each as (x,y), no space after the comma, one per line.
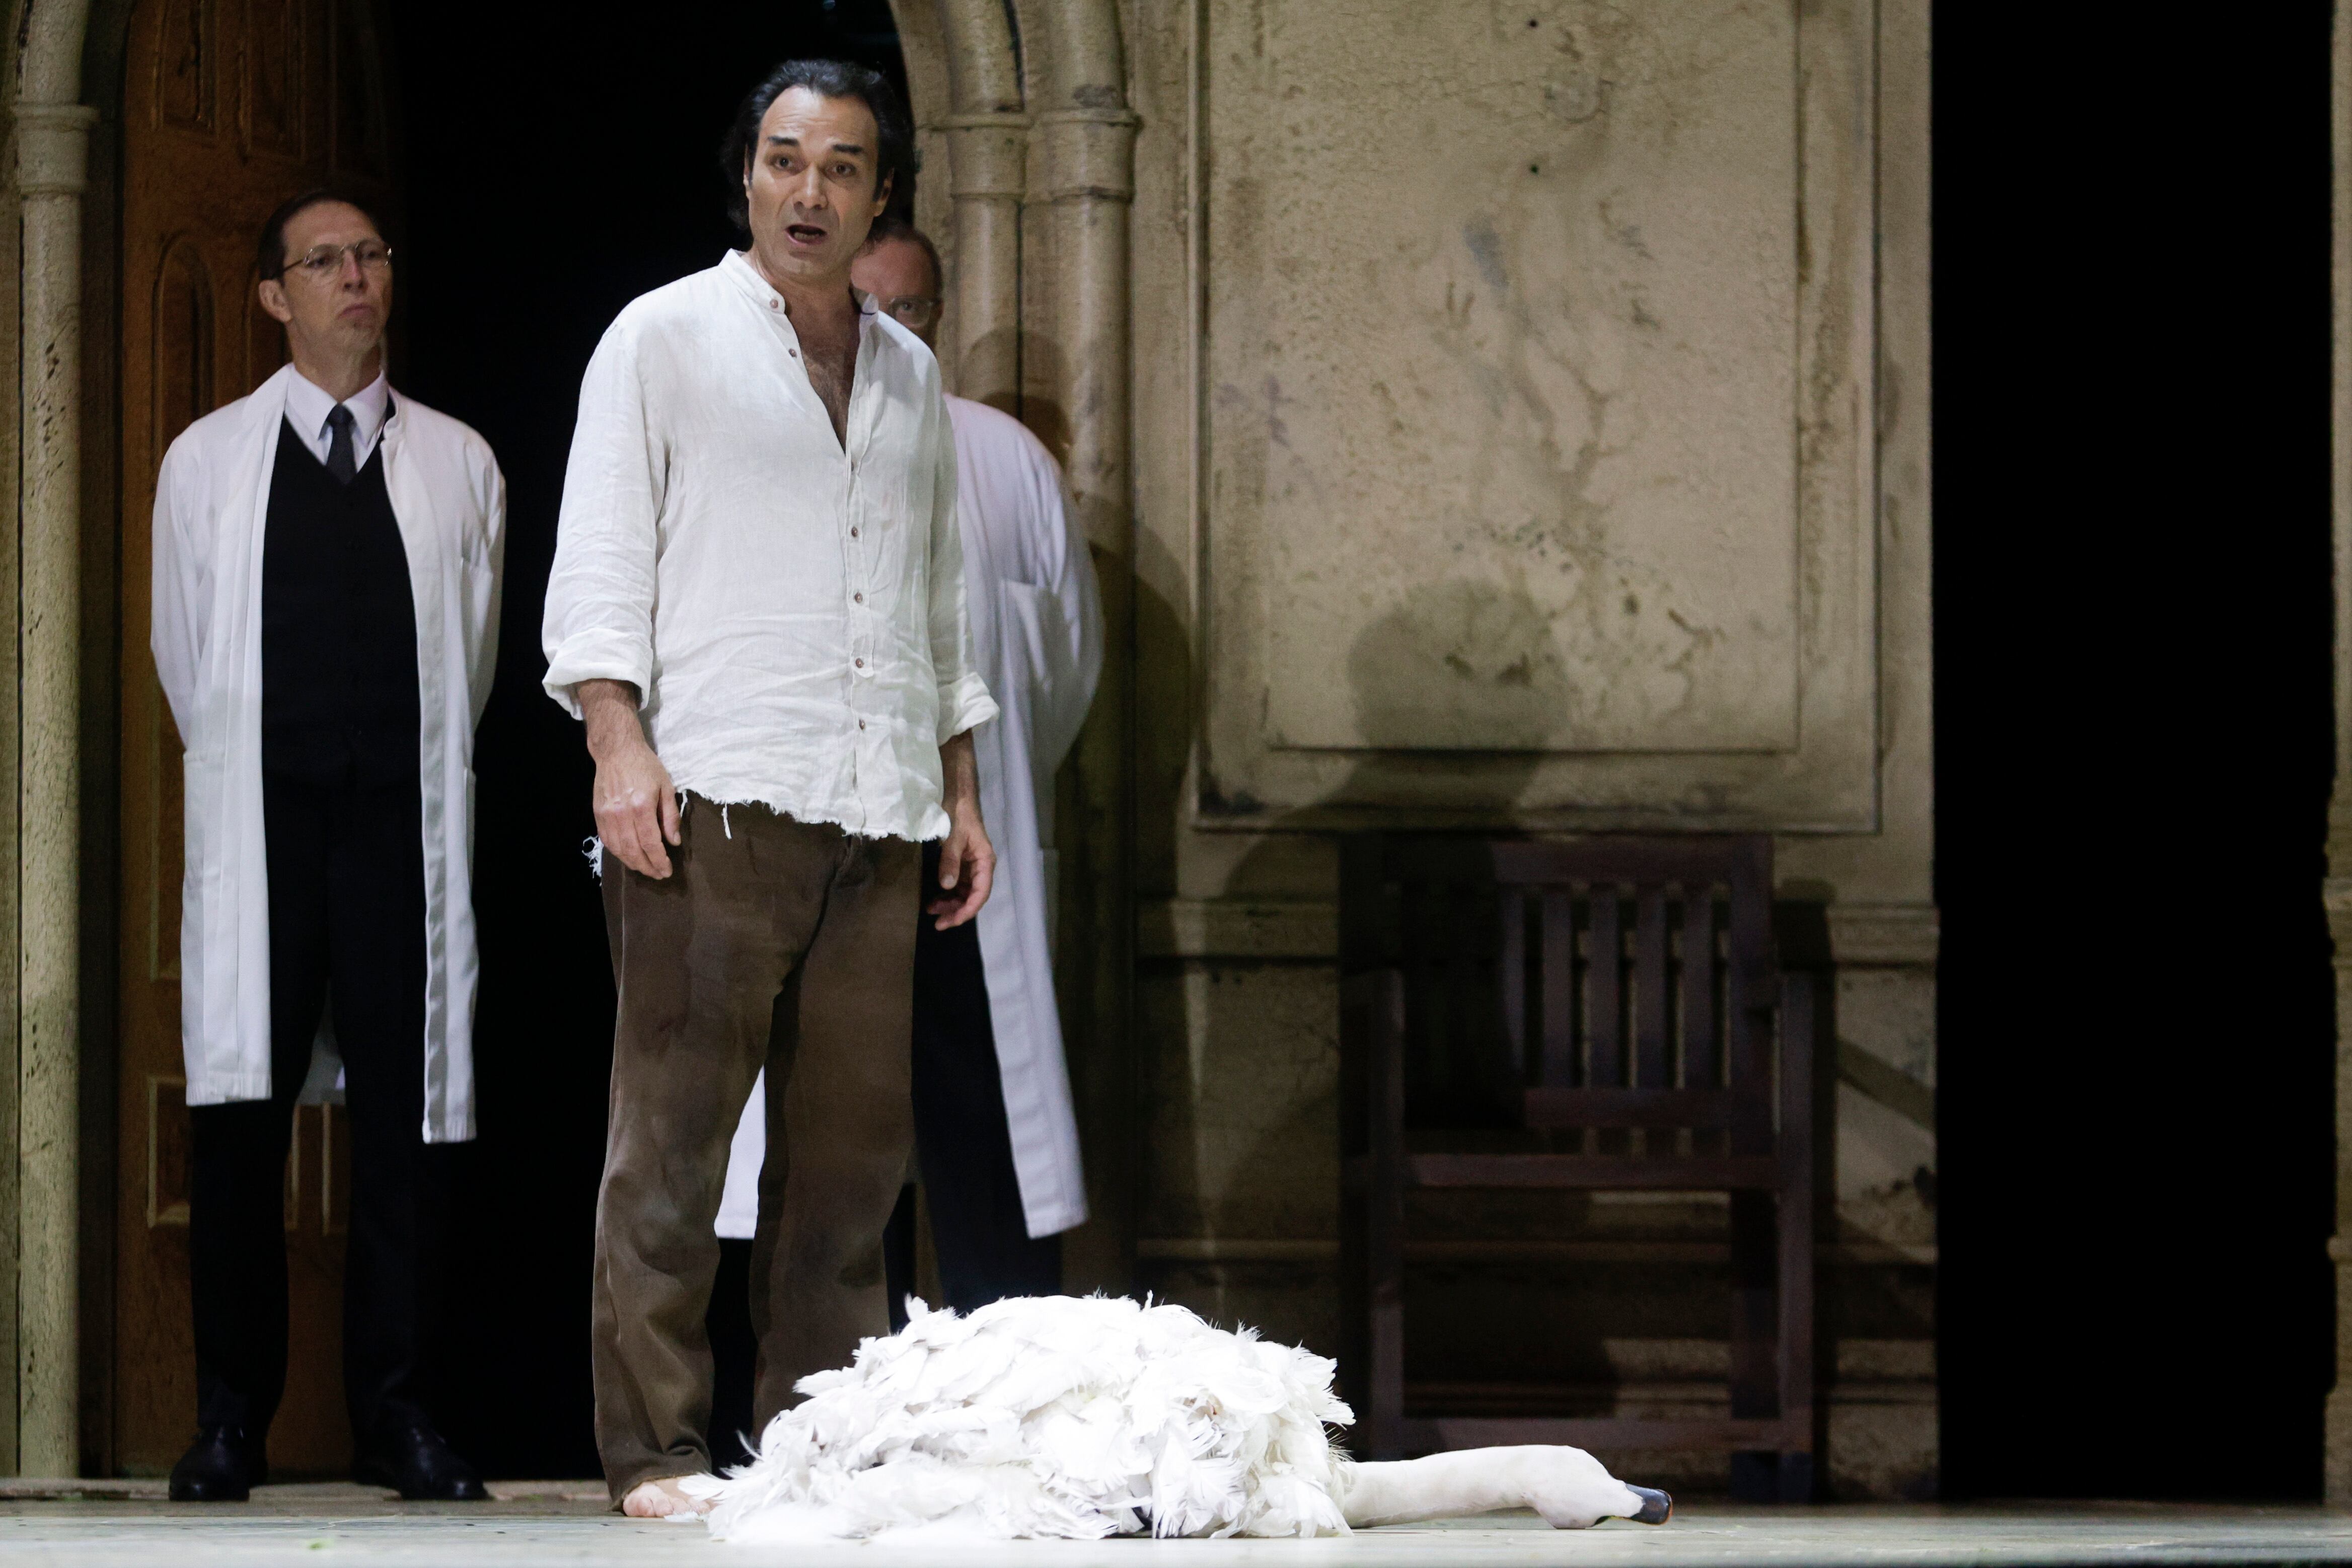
(804,233)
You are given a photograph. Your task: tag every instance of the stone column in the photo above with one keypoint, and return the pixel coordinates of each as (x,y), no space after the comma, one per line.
(52,147)
(2339,890)
(986,173)
(987,177)
(1082,180)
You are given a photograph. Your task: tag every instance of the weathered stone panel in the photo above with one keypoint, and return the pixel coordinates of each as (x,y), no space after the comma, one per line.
(1531,385)
(1518,395)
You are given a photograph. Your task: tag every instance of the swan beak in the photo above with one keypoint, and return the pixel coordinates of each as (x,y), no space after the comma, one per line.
(1656,1506)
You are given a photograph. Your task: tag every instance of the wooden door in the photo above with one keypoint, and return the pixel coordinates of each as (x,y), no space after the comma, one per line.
(229,107)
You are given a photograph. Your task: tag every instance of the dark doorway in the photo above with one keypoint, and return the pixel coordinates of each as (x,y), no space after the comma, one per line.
(307,89)
(556,165)
(2134,751)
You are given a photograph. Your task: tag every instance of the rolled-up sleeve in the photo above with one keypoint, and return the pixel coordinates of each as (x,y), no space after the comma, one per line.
(964,702)
(599,595)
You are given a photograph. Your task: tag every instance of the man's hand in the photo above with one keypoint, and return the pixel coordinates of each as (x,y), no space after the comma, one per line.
(636,808)
(967,860)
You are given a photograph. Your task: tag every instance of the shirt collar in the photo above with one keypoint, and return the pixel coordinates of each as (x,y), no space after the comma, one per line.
(738,266)
(307,406)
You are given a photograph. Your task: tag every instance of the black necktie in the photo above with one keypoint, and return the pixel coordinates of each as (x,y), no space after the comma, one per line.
(339,461)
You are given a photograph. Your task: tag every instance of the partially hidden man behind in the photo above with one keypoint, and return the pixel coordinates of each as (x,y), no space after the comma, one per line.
(994,1128)
(757,607)
(326,602)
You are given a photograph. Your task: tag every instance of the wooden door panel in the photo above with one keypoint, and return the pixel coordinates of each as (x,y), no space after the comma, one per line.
(277,99)
(312,1421)
(264,348)
(226,113)
(187,83)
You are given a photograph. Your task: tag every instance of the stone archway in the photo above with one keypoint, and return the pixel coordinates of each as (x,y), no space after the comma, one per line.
(1039,148)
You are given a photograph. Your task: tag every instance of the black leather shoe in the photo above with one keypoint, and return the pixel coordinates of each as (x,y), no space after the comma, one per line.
(223,1466)
(414,1462)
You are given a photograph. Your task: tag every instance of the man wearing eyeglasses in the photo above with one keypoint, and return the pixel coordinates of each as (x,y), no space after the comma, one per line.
(326,602)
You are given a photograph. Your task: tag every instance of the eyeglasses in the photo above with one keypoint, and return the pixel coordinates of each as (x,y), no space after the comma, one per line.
(913,311)
(321,262)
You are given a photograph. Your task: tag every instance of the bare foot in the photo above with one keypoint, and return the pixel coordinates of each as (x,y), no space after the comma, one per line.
(661,1500)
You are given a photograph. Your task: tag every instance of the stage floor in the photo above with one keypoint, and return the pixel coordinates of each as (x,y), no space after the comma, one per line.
(554,1523)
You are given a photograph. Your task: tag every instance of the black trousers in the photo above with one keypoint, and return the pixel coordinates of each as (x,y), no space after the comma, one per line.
(978,1229)
(346,907)
(965,1146)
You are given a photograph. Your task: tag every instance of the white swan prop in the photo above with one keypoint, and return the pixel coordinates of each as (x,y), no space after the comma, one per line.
(1081,1417)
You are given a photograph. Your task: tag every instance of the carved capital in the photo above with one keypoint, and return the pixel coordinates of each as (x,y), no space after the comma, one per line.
(988,156)
(53,148)
(1087,154)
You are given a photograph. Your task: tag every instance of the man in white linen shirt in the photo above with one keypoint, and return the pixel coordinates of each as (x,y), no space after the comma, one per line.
(757,607)
(326,602)
(994,1127)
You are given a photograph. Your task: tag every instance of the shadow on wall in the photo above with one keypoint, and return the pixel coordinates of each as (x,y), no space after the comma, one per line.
(1242,1056)
(1241,1063)
(1460,657)
(999,363)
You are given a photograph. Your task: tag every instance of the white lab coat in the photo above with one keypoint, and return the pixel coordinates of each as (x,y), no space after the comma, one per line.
(212,506)
(1037,632)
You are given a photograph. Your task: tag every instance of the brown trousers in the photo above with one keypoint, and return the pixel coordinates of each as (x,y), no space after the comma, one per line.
(772,942)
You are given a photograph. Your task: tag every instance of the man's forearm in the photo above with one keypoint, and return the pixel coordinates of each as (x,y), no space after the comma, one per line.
(967,863)
(958,774)
(609,711)
(636,807)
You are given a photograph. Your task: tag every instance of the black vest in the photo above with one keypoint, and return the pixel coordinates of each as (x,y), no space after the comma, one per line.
(338,627)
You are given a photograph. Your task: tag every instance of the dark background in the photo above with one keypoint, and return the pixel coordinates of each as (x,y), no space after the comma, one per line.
(2133,721)
(557,164)
(2133,743)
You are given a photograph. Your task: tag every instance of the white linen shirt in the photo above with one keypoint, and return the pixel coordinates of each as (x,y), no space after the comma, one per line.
(791,613)
(1036,629)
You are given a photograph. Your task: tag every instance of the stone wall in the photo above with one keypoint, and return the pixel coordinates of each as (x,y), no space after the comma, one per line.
(11,1135)
(1485,415)
(1531,432)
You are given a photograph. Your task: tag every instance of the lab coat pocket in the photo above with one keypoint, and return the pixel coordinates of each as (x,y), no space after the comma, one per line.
(1025,629)
(206,896)
(203,781)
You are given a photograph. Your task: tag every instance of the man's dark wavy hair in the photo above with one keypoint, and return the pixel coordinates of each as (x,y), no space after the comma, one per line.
(894,156)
